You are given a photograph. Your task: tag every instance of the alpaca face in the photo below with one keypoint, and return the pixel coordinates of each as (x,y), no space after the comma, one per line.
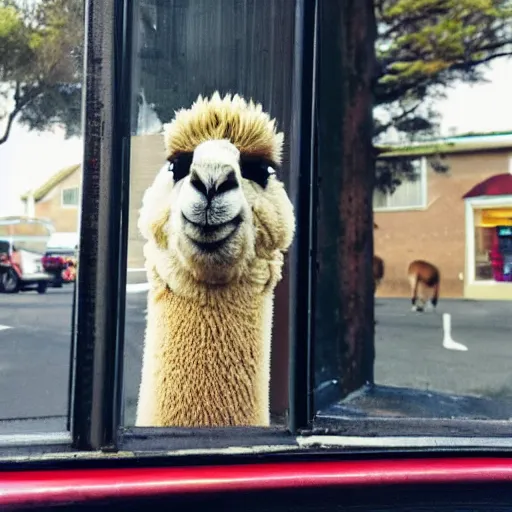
(209,213)
(215,213)
(210,204)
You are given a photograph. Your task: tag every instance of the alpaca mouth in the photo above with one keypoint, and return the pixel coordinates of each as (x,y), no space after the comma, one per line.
(212,237)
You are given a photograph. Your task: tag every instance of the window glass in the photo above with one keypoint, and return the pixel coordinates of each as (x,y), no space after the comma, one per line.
(441,291)
(203,338)
(410,193)
(70,196)
(40,153)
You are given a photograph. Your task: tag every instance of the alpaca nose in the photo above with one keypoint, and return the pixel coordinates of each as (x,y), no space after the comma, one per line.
(210,188)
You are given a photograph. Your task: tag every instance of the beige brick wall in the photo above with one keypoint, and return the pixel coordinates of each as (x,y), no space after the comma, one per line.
(64,218)
(147,157)
(436,234)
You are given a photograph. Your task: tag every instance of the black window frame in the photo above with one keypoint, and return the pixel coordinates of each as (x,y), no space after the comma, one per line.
(98,320)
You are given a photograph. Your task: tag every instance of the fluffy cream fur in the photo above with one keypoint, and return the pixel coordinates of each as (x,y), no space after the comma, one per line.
(207,348)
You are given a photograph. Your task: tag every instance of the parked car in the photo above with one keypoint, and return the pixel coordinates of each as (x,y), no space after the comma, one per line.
(20,268)
(60,258)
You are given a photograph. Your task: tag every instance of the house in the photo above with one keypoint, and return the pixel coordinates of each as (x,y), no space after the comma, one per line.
(457,220)
(57,200)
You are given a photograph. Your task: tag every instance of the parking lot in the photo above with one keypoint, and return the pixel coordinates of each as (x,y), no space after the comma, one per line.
(35,353)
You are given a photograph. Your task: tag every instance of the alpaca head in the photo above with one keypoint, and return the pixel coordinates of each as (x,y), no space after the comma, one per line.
(216,208)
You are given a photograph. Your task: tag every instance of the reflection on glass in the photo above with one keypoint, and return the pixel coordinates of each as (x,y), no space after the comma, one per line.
(183,50)
(40,153)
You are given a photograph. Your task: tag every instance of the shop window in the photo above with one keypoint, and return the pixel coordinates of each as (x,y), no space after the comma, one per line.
(493,244)
(484,238)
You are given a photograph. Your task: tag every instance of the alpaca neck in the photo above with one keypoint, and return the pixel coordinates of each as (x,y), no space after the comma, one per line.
(207,361)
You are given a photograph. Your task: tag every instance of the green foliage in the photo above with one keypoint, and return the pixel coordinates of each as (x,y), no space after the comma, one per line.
(41,51)
(424,47)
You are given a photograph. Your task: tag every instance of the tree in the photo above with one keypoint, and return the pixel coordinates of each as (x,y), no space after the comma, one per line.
(41,49)
(423,47)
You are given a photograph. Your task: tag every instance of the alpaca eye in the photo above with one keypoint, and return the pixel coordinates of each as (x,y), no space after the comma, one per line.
(180,166)
(257,171)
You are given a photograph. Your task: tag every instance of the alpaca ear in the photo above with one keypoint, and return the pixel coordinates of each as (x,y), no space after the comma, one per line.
(154,214)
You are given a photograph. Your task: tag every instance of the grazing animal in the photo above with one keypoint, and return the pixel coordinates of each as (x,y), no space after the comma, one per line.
(378,270)
(425,276)
(217,222)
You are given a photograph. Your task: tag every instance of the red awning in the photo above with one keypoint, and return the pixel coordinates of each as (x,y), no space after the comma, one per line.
(498,185)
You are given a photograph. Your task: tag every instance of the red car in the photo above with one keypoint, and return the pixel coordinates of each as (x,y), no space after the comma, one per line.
(60,258)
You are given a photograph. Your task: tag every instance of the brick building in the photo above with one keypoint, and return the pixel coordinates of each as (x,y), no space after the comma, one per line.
(428,218)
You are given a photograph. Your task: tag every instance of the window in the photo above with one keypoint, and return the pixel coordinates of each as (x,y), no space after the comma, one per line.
(287,344)
(411,193)
(489,240)
(70,197)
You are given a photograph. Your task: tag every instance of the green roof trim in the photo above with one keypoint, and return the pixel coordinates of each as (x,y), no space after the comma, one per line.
(46,187)
(465,144)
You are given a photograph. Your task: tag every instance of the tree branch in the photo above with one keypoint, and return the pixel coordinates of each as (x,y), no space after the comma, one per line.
(413,19)
(389,96)
(20,102)
(398,118)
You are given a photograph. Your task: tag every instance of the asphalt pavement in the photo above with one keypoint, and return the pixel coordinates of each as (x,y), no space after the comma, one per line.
(35,342)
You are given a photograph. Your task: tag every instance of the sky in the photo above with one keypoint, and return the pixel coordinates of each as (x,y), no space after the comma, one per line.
(28,159)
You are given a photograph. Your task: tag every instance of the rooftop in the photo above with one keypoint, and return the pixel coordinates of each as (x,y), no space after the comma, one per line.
(48,185)
(464,143)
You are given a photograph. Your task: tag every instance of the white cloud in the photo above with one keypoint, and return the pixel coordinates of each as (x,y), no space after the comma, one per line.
(482,107)
(28,159)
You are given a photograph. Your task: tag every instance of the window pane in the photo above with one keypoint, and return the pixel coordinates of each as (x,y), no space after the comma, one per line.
(410,191)
(441,288)
(40,155)
(214,361)
(70,196)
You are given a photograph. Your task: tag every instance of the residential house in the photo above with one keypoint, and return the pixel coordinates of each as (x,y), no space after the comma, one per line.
(57,200)
(450,219)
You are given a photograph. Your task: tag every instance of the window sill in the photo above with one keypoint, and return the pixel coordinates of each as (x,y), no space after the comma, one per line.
(401,209)
(489,282)
(381,411)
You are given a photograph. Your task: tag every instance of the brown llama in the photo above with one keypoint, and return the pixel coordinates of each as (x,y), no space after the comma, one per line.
(378,270)
(423,274)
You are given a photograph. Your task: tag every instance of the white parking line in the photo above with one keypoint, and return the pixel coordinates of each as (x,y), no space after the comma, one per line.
(4,327)
(448,342)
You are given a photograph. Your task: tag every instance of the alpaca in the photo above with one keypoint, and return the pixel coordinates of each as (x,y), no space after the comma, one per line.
(217,223)
(425,275)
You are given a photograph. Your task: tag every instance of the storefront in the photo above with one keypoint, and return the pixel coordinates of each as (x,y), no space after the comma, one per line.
(488,211)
